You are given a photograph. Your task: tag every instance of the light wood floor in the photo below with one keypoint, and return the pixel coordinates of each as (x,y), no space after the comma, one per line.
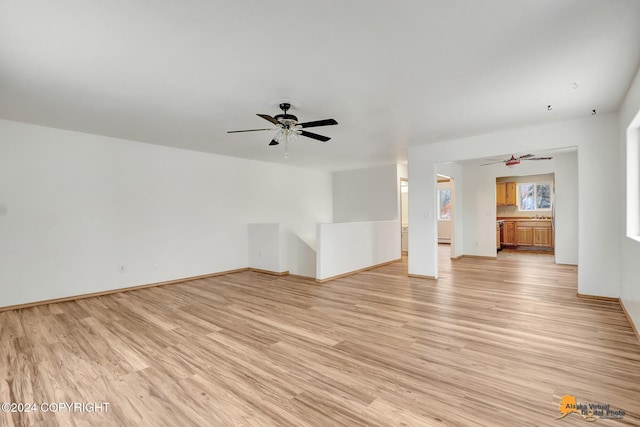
(492,342)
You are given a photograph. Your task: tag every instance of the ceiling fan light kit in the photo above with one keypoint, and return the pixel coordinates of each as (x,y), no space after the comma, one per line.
(512,162)
(288,128)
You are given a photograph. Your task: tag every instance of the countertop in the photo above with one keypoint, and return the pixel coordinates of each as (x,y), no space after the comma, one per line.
(519,219)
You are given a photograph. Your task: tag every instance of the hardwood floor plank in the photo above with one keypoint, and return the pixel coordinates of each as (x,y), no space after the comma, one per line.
(491,342)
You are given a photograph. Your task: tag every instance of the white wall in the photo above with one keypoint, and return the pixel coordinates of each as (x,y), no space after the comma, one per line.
(479,212)
(371,194)
(274,248)
(75,207)
(567,210)
(351,246)
(267,248)
(630,248)
(597,140)
(301,257)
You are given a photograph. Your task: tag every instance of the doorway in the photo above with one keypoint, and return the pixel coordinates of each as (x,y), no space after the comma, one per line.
(445,202)
(525,215)
(404,215)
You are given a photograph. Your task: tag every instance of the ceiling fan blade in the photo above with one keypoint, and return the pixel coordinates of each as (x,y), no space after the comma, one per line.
(269,118)
(493,163)
(539,158)
(246,130)
(274,142)
(526,156)
(314,136)
(317,123)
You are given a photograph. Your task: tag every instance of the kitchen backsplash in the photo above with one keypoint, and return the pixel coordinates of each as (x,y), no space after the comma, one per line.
(512,211)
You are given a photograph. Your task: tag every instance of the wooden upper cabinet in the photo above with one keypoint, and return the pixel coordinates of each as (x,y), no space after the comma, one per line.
(505,193)
(501,193)
(510,194)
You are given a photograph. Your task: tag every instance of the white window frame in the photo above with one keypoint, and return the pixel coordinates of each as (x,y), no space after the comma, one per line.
(535,208)
(633,180)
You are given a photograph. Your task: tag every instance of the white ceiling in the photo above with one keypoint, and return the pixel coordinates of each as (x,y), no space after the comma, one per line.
(391,73)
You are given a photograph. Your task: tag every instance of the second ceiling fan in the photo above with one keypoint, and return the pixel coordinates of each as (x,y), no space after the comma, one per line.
(513,161)
(288,127)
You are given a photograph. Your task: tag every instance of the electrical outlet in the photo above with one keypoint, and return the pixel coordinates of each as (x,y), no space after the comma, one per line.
(122,269)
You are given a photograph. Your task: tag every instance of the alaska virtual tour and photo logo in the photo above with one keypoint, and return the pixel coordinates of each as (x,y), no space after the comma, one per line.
(588,411)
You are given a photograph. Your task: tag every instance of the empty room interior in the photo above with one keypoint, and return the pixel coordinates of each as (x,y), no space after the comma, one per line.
(315,214)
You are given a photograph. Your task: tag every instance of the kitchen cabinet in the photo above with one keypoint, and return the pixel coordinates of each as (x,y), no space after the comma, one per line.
(542,236)
(509,233)
(497,235)
(524,235)
(530,233)
(501,193)
(510,194)
(527,232)
(506,194)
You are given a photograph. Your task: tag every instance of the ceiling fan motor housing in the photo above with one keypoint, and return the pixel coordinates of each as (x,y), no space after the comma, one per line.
(286,119)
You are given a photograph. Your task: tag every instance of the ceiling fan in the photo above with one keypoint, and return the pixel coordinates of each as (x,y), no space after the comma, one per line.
(289,128)
(514,161)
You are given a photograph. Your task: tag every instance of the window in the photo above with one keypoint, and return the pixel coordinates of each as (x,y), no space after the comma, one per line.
(633,179)
(444,204)
(534,197)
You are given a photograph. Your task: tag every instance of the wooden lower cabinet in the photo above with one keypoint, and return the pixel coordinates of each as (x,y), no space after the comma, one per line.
(528,233)
(524,236)
(509,233)
(542,237)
